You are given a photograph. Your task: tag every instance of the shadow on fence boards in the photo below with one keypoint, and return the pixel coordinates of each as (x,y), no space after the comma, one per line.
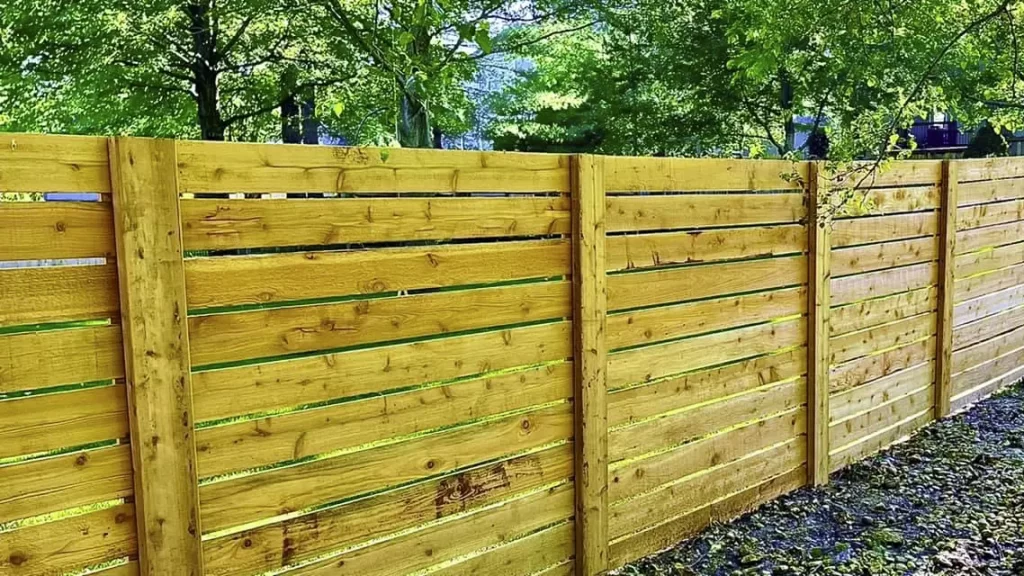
(257,359)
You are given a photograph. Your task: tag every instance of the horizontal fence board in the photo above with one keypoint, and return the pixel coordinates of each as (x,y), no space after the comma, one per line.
(257,223)
(879,417)
(656,324)
(988,260)
(528,556)
(675,429)
(642,402)
(872,229)
(632,174)
(71,544)
(890,201)
(262,442)
(868,174)
(849,289)
(857,344)
(989,283)
(66,481)
(990,370)
(989,237)
(52,358)
(46,163)
(879,440)
(963,398)
(269,168)
(989,169)
(643,475)
(295,540)
(980,215)
(877,392)
(649,250)
(448,541)
(58,294)
(873,257)
(862,370)
(693,492)
(669,533)
(285,490)
(52,230)
(43,423)
(861,315)
(271,278)
(987,305)
(967,358)
(652,362)
(668,212)
(250,389)
(987,328)
(989,190)
(693,282)
(266,333)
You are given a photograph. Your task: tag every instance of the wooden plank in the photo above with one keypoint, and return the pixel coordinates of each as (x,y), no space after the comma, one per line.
(966,398)
(656,324)
(523,557)
(688,494)
(989,237)
(297,435)
(635,477)
(880,440)
(590,364)
(988,371)
(967,358)
(678,428)
(948,272)
(264,387)
(43,359)
(872,229)
(631,174)
(871,257)
(37,424)
(270,278)
(820,237)
(255,223)
(47,230)
(868,368)
(890,201)
(129,568)
(989,283)
(70,545)
(639,289)
(896,174)
(980,215)
(663,535)
(868,313)
(267,168)
(294,540)
(855,428)
(38,163)
(642,402)
(152,280)
(858,344)
(990,169)
(284,490)
(416,552)
(849,289)
(627,252)
(862,399)
(67,481)
(670,212)
(989,190)
(988,260)
(57,294)
(651,362)
(987,305)
(267,333)
(987,328)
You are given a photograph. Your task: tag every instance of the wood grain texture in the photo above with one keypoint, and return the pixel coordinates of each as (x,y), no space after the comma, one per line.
(863,398)
(898,174)
(990,169)
(858,344)
(863,370)
(966,265)
(46,230)
(660,249)
(871,229)
(989,190)
(881,283)
(988,327)
(947,276)
(872,257)
(880,417)
(35,360)
(57,294)
(980,215)
(152,280)
(38,163)
(819,305)
(891,201)
(881,439)
(255,223)
(989,237)
(668,212)
(868,313)
(630,174)
(527,556)
(590,363)
(966,289)
(268,168)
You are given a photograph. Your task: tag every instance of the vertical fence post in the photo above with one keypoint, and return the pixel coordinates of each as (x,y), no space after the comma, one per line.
(819,256)
(590,364)
(944,327)
(153,320)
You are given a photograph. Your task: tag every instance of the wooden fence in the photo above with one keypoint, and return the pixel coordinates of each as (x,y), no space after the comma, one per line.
(248,359)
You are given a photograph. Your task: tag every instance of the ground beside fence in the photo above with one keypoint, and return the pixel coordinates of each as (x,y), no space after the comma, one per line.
(949,501)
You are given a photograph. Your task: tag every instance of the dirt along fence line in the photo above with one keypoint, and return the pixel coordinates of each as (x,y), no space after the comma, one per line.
(254,359)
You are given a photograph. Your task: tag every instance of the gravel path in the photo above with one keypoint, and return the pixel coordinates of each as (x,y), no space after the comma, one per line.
(949,501)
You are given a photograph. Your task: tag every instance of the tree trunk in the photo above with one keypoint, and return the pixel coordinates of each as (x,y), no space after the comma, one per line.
(204,71)
(786,103)
(414,124)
